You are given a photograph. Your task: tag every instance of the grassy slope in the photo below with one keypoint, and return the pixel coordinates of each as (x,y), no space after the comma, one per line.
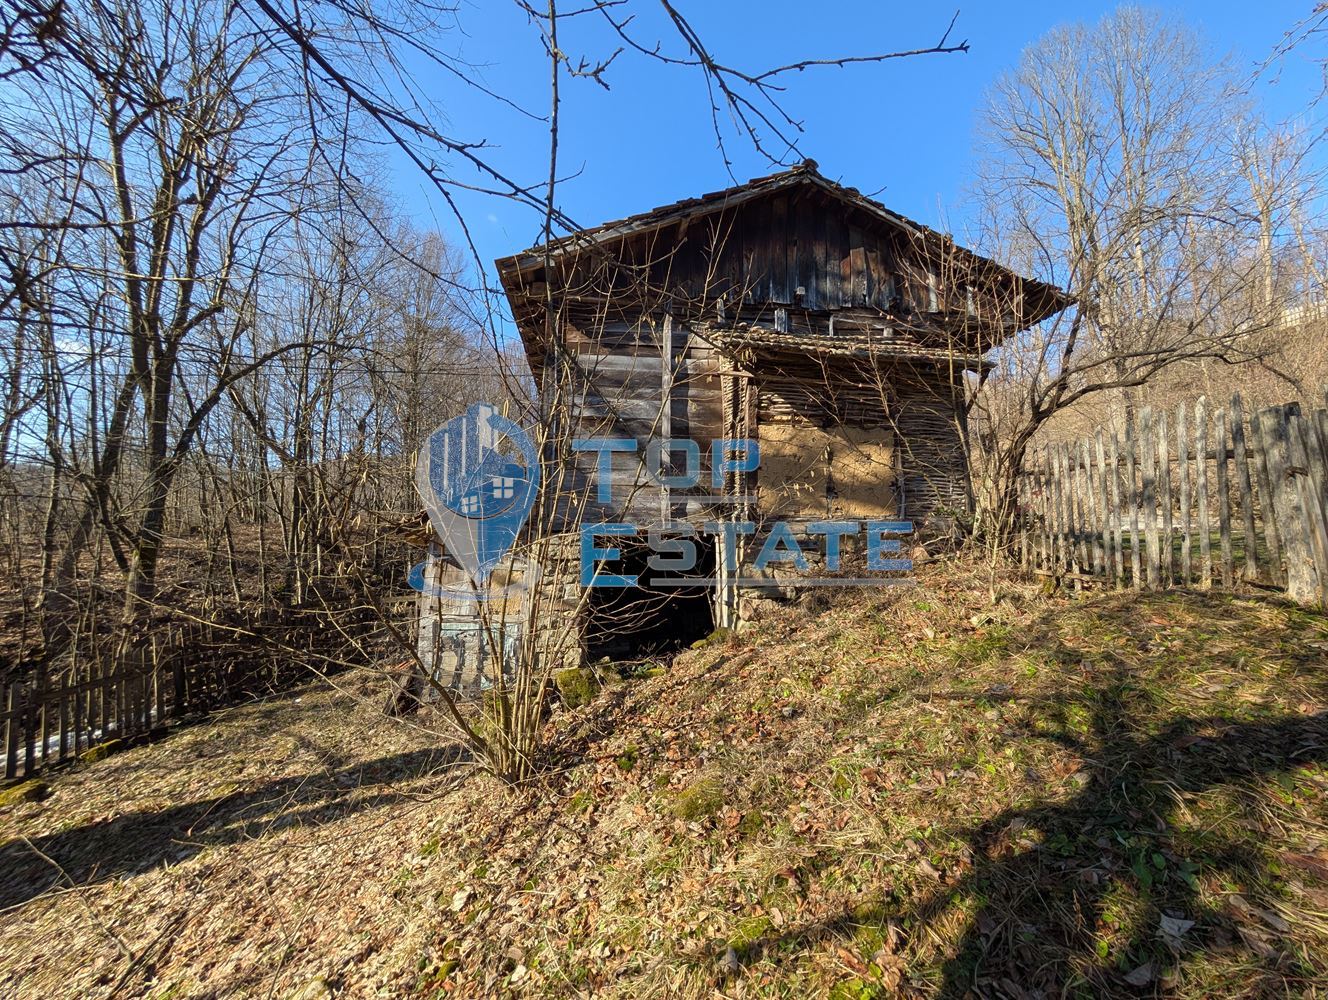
(909,792)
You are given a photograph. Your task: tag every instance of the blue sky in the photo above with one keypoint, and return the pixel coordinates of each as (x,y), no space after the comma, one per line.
(902,129)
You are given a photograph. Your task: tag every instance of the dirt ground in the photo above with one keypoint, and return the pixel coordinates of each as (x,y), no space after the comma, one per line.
(250,855)
(907,793)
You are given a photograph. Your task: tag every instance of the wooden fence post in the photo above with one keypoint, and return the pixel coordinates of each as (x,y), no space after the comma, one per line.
(1104,521)
(30,705)
(1201,489)
(1115,482)
(1021,493)
(1066,480)
(1094,526)
(13,727)
(1250,571)
(1292,523)
(1267,512)
(1148,497)
(1081,555)
(64,714)
(1058,504)
(1164,468)
(1183,475)
(1223,496)
(1312,483)
(1132,495)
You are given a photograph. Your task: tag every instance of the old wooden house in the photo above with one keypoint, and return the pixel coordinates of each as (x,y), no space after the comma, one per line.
(789,310)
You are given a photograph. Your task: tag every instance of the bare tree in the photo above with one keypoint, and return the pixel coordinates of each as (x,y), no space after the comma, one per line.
(1111,167)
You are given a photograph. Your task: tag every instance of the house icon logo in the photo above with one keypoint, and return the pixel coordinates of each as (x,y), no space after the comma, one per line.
(478,475)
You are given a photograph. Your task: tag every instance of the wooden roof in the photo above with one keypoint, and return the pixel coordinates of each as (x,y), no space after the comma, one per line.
(1040,300)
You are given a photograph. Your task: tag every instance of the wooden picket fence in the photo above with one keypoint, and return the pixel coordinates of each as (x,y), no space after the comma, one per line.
(181,668)
(1199,497)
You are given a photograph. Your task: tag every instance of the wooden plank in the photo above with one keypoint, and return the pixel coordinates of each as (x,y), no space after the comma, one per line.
(1267,515)
(1312,483)
(13,727)
(104,700)
(1034,515)
(64,715)
(1293,530)
(79,695)
(1104,520)
(121,698)
(780,277)
(666,372)
(1148,497)
(1021,519)
(1223,496)
(30,707)
(1114,481)
(1053,510)
(1250,568)
(1086,525)
(44,706)
(158,688)
(1067,499)
(1183,483)
(1164,471)
(1201,492)
(1075,511)
(1044,511)
(1094,520)
(1132,499)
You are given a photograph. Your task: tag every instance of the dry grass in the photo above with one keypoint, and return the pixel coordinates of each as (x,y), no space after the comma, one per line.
(910,793)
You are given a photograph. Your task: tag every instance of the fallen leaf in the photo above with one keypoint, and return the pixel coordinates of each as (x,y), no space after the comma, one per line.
(1256,942)
(1315,864)
(1141,976)
(1172,929)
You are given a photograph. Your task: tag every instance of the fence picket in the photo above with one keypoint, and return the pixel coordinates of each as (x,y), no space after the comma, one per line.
(1164,469)
(1094,526)
(1204,526)
(1267,509)
(1132,498)
(1250,569)
(1274,426)
(1312,484)
(1062,522)
(64,714)
(13,728)
(29,724)
(1223,495)
(1104,520)
(1183,477)
(1114,481)
(1077,494)
(1148,497)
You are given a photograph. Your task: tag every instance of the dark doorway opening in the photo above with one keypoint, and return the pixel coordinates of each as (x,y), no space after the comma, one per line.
(656,618)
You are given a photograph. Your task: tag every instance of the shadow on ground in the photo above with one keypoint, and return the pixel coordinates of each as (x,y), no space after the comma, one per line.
(137,842)
(1099,894)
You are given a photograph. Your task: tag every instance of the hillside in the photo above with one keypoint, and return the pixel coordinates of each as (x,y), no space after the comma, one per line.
(907,792)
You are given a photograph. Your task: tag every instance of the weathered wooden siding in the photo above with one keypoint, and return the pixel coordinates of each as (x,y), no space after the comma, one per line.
(619,392)
(795,249)
(933,454)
